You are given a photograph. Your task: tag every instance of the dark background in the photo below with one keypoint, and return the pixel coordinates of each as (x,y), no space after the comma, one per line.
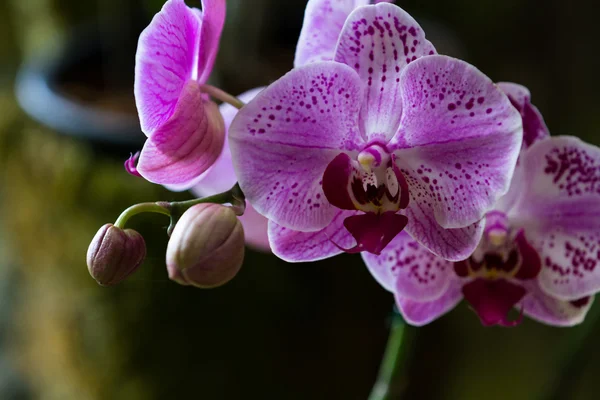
(277,331)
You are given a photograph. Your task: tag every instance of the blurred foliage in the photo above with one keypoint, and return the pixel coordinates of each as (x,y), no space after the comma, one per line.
(277,331)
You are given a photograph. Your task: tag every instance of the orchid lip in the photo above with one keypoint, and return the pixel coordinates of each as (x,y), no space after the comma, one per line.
(492,300)
(373,232)
(503,258)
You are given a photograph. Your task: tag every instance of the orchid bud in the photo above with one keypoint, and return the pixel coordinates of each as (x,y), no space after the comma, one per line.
(206,248)
(114,254)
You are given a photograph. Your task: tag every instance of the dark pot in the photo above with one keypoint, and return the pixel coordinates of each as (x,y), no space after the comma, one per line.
(84,88)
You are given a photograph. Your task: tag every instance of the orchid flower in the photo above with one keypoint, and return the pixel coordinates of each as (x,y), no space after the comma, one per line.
(540,251)
(221,176)
(319,17)
(342,154)
(175,56)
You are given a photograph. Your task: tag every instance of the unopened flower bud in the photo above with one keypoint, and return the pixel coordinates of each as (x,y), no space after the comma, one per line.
(206,248)
(114,254)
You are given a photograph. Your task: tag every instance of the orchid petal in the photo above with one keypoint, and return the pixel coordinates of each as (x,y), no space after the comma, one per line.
(445,100)
(323,22)
(559,186)
(457,181)
(378,42)
(421,313)
(186,144)
(559,208)
(221,176)
(296,246)
(213,19)
(165,61)
(507,202)
(337,179)
(410,270)
(465,138)
(449,244)
(534,127)
(549,310)
(255,229)
(570,263)
(283,140)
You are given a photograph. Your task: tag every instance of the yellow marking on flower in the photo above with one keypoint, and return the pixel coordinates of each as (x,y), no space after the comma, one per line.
(497,238)
(366,160)
(491,273)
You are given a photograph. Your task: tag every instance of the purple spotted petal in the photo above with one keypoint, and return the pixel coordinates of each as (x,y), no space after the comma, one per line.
(282,141)
(213,19)
(534,127)
(185,145)
(421,313)
(446,99)
(165,61)
(559,208)
(465,135)
(549,310)
(493,299)
(449,244)
(570,263)
(323,22)
(457,181)
(295,246)
(410,270)
(378,42)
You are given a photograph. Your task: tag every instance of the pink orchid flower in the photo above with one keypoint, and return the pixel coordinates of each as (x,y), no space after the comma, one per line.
(323,17)
(175,56)
(540,251)
(343,154)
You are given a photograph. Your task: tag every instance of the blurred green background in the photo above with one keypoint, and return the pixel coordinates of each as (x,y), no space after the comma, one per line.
(277,331)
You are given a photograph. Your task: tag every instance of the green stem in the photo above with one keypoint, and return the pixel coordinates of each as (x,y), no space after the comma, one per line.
(234,196)
(175,209)
(222,95)
(391,379)
(158,207)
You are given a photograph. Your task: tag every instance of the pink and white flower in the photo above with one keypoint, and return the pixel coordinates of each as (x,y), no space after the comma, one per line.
(341,154)
(540,251)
